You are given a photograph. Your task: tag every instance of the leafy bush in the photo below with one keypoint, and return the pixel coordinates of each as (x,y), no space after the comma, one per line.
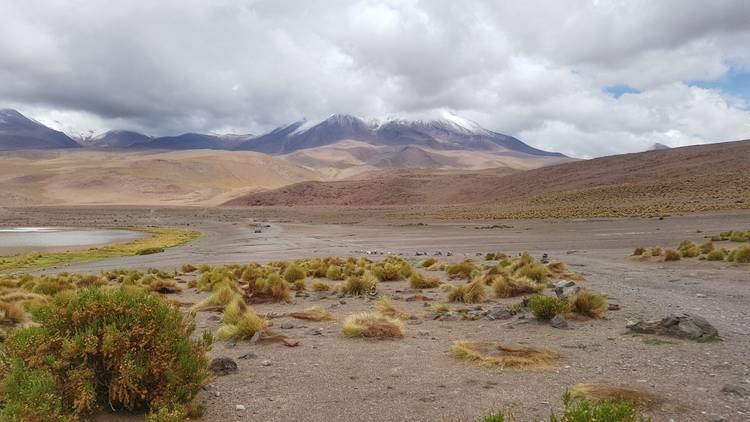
(588,303)
(123,348)
(546,307)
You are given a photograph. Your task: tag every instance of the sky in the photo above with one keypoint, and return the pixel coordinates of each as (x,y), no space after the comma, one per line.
(582,77)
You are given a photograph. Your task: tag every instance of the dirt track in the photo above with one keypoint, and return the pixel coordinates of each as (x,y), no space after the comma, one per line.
(329,378)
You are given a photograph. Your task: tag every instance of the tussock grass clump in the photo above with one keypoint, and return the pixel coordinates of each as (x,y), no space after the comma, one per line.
(188,268)
(214,279)
(294,272)
(589,304)
(707,247)
(439,308)
(314,313)
(672,255)
(372,325)
(268,289)
(462,269)
(533,270)
(656,251)
(429,262)
(107,359)
(605,392)
(240,322)
(717,255)
(320,286)
(503,356)
(546,307)
(474,292)
(385,307)
(582,410)
(359,285)
(739,236)
(11,313)
(418,281)
(557,267)
(740,255)
(505,287)
(219,299)
(334,272)
(639,251)
(688,249)
(392,268)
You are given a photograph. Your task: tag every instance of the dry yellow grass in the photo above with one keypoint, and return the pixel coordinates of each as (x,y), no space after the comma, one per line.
(315,313)
(502,356)
(218,299)
(240,322)
(372,325)
(505,286)
(383,306)
(589,304)
(606,392)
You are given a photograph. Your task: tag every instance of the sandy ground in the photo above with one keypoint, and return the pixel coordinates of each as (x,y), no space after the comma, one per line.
(329,378)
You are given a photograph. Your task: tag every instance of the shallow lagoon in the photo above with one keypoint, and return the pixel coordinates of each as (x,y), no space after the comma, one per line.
(24,239)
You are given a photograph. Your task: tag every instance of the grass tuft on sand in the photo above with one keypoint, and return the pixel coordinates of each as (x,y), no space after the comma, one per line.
(314,313)
(605,392)
(372,325)
(503,356)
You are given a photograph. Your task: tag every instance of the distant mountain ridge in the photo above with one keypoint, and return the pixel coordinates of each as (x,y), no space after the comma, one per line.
(18,132)
(421,139)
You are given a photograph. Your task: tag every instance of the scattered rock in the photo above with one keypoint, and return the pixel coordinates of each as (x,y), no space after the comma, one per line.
(290,342)
(301,293)
(613,307)
(499,314)
(248,355)
(255,338)
(700,295)
(286,325)
(314,332)
(736,389)
(418,298)
(223,366)
(266,363)
(559,322)
(681,326)
(214,318)
(342,301)
(564,289)
(239,407)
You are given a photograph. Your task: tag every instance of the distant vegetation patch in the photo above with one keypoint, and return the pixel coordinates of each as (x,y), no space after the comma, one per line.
(160,239)
(707,251)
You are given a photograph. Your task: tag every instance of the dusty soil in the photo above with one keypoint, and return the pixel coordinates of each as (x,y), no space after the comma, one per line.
(329,378)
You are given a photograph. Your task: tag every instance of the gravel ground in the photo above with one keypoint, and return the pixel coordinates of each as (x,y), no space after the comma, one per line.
(329,378)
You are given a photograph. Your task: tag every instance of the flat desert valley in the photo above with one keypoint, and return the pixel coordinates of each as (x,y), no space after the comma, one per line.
(329,377)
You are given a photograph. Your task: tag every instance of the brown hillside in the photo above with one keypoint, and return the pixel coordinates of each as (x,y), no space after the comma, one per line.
(703,177)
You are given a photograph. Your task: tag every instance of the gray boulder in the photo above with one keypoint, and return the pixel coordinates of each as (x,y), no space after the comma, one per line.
(559,322)
(687,326)
(223,366)
(565,289)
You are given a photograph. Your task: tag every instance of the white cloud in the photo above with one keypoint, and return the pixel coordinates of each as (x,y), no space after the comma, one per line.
(535,69)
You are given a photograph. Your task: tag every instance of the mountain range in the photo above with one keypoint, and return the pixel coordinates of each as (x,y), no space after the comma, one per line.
(422,137)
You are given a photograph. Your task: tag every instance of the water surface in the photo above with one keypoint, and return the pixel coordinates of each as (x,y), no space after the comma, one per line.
(24,239)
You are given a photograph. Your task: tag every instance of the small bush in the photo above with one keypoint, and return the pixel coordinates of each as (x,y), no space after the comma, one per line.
(474,292)
(533,270)
(429,262)
(320,286)
(188,268)
(240,322)
(707,247)
(688,249)
(716,255)
(505,287)
(546,307)
(385,307)
(268,289)
(90,350)
(656,251)
(359,285)
(739,236)
(293,273)
(639,251)
(493,416)
(589,304)
(671,255)
(461,269)
(334,272)
(372,325)
(741,254)
(418,281)
(605,411)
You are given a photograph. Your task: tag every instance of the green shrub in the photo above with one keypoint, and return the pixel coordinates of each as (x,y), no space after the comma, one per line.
(546,307)
(604,411)
(121,348)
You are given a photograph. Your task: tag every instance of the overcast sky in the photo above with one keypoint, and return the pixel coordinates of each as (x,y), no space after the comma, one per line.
(583,77)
